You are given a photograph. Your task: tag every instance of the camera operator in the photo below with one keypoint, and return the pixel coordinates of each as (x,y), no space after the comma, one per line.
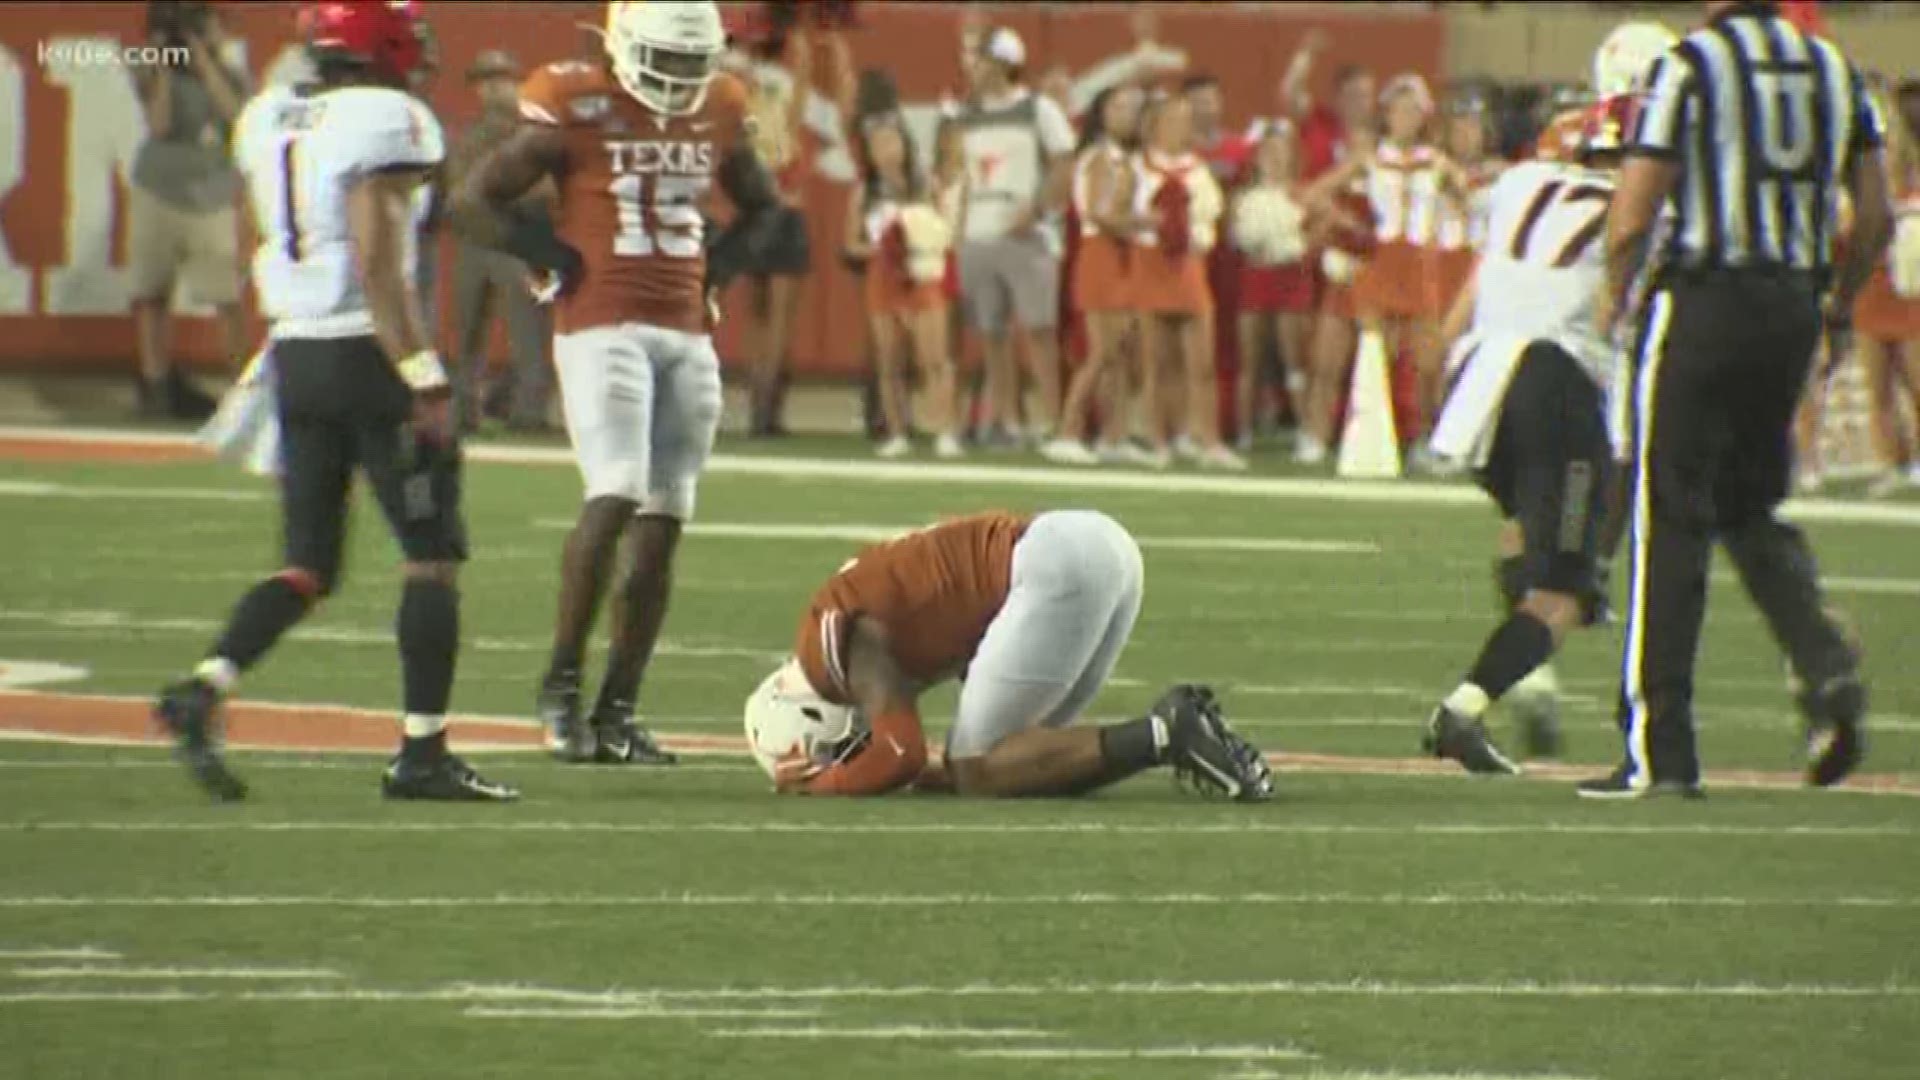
(181,212)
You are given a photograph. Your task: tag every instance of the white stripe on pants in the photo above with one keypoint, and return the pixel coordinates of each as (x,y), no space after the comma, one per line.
(1653,348)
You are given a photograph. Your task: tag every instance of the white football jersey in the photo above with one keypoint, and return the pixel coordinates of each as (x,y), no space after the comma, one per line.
(301,156)
(1543,266)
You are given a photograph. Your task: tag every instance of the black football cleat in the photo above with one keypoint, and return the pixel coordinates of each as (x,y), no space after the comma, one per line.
(189,711)
(569,737)
(440,778)
(1836,740)
(1206,753)
(1622,784)
(1454,737)
(618,739)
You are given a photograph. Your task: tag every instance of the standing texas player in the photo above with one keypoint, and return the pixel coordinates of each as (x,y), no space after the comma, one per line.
(634,144)
(1030,613)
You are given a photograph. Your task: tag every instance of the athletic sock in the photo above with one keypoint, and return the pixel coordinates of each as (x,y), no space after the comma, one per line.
(1509,576)
(619,689)
(1521,644)
(428,627)
(269,610)
(1134,746)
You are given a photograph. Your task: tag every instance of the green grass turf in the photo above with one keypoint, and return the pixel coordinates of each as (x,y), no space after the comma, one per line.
(1388,927)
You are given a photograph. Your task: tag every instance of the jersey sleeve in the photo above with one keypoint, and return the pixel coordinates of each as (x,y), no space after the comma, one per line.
(1869,127)
(388,129)
(821,647)
(1670,86)
(542,96)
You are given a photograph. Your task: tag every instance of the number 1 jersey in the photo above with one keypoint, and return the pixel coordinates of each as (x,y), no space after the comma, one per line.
(301,155)
(632,193)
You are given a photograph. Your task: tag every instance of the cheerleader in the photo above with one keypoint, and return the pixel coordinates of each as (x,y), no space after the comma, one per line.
(1462,226)
(1886,318)
(895,224)
(1276,290)
(1102,190)
(1175,190)
(1406,181)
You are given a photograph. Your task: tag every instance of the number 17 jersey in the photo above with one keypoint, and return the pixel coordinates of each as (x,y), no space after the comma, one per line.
(632,191)
(1543,267)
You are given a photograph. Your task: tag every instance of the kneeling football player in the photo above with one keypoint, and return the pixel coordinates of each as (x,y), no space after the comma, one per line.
(1030,613)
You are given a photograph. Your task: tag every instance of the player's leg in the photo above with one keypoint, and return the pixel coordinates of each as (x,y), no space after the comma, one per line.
(1556,454)
(1334,336)
(606,386)
(686,412)
(417,483)
(889,373)
(1034,280)
(1778,569)
(933,352)
(316,465)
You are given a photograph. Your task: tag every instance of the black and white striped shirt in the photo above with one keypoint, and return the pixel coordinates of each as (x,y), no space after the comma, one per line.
(1765,122)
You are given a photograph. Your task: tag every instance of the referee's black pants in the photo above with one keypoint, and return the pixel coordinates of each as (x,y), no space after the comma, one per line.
(1721,362)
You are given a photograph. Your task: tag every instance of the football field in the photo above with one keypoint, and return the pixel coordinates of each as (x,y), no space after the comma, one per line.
(1382,918)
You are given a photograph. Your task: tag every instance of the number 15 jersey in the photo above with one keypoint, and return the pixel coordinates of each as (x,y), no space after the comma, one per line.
(632,190)
(1543,268)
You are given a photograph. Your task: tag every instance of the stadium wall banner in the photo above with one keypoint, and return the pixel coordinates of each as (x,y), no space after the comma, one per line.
(71,123)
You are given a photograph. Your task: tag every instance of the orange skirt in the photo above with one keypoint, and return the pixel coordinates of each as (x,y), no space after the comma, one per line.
(1881,315)
(1101,281)
(888,290)
(1170,284)
(1452,269)
(1398,281)
(1337,300)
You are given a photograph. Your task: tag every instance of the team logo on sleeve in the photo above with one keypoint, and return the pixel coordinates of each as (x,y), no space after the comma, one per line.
(590,107)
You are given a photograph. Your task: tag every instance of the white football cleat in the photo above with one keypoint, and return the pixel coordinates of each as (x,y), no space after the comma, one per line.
(896,447)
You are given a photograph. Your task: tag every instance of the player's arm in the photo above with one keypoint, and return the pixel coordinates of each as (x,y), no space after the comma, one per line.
(896,753)
(1461,311)
(379,219)
(488,210)
(1649,174)
(855,243)
(1296,97)
(749,186)
(1873,216)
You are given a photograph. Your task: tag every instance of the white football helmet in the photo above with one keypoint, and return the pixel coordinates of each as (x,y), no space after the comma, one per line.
(1625,56)
(665,53)
(784,714)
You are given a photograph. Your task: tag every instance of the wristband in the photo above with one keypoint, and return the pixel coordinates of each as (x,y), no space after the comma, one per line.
(422,372)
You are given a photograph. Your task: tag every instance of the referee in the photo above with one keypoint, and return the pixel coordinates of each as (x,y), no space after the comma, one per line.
(1749,132)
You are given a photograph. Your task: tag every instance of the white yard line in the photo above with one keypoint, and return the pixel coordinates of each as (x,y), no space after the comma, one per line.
(946,900)
(186,974)
(632,1012)
(85,952)
(1371,1075)
(106,623)
(984,828)
(1140,1053)
(869,534)
(888,1032)
(1388,493)
(651,997)
(39,489)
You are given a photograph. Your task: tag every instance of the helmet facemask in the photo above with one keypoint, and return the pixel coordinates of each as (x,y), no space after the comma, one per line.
(672,82)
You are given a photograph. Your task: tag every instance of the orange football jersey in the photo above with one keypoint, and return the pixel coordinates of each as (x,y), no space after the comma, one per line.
(632,192)
(935,590)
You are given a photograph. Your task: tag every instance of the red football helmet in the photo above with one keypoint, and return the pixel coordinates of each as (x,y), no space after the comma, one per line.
(1608,125)
(386,37)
